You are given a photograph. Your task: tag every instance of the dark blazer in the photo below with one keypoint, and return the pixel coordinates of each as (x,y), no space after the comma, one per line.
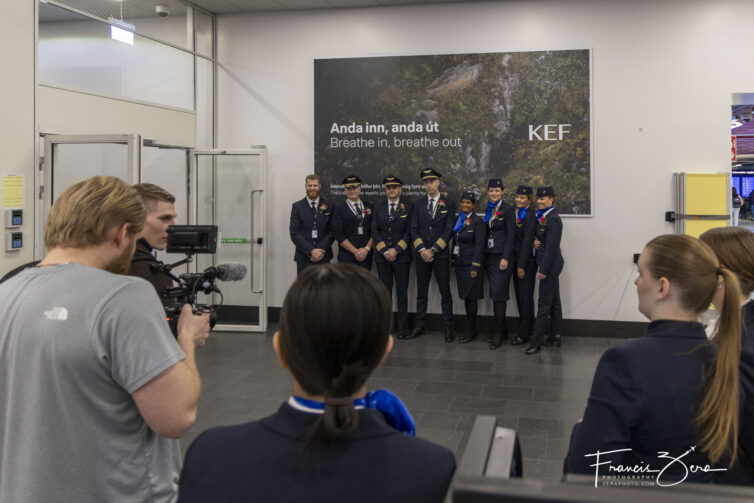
(268,461)
(141,266)
(345,225)
(746,426)
(471,243)
(522,249)
(302,224)
(392,232)
(747,334)
(434,233)
(502,229)
(549,231)
(645,395)
(746,376)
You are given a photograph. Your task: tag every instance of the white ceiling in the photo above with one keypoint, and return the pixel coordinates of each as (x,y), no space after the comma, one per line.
(238,6)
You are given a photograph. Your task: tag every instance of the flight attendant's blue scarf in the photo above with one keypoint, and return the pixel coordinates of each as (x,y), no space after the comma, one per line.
(542,212)
(459,222)
(487,215)
(522,213)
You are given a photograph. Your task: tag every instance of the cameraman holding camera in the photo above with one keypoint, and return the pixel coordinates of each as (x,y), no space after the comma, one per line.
(160,206)
(94,388)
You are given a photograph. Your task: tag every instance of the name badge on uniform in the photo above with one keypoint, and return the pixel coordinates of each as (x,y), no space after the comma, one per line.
(456,250)
(360,230)
(491,243)
(314,234)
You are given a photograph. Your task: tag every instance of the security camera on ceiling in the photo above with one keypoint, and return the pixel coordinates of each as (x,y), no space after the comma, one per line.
(162,10)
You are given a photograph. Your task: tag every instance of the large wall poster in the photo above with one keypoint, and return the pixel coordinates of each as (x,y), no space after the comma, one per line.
(521,116)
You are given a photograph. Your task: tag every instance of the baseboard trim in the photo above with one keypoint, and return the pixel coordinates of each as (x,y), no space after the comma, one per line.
(571,327)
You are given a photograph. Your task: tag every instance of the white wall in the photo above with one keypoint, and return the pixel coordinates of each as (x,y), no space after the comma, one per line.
(662,73)
(82,55)
(17,137)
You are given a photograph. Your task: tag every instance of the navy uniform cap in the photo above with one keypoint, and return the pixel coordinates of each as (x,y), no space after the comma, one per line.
(524,190)
(545,192)
(351,181)
(392,180)
(468,195)
(495,183)
(429,174)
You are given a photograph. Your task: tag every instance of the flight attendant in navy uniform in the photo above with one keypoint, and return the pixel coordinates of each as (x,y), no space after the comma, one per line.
(310,227)
(549,264)
(468,249)
(391,232)
(500,226)
(526,267)
(352,223)
(431,229)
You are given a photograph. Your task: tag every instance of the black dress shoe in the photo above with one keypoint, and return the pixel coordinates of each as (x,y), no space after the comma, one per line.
(449,337)
(553,340)
(495,343)
(415,333)
(518,340)
(467,337)
(532,350)
(403,333)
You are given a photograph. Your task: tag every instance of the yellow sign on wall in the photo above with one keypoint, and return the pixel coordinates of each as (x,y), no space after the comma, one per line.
(705,194)
(12,191)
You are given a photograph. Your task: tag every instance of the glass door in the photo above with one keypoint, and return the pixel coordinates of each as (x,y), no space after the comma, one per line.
(71,158)
(230,193)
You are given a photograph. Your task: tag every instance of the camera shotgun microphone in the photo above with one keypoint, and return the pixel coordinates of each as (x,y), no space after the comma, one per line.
(227,272)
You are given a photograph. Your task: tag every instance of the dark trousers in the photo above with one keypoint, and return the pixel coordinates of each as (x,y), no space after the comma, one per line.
(441,270)
(300,266)
(525,299)
(348,258)
(548,309)
(386,271)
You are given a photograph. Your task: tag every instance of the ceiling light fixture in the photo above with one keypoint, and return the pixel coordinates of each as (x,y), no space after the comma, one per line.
(123,32)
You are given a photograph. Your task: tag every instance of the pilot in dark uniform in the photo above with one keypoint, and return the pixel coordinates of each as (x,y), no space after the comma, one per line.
(391,232)
(431,229)
(310,227)
(351,226)
(500,222)
(549,264)
(468,250)
(526,267)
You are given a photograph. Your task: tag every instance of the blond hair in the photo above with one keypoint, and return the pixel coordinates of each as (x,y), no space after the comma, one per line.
(734,246)
(692,266)
(86,211)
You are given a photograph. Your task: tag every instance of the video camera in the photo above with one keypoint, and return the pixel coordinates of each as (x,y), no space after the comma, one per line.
(191,239)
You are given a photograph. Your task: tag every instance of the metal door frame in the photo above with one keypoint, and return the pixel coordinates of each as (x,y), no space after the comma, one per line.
(43,180)
(255,234)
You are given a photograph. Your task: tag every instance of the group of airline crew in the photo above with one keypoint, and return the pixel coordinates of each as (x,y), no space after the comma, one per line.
(519,242)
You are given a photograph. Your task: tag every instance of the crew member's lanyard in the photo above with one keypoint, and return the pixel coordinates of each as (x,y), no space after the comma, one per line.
(359,215)
(314,218)
(493,214)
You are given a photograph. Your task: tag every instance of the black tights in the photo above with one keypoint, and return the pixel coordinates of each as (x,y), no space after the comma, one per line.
(501,329)
(472,307)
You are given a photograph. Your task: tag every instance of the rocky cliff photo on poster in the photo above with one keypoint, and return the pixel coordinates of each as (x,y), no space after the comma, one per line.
(520,116)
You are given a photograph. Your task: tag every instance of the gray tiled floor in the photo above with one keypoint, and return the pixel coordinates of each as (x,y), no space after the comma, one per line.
(444,386)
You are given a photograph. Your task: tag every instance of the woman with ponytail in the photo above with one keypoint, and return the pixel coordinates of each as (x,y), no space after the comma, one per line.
(734,246)
(332,441)
(671,391)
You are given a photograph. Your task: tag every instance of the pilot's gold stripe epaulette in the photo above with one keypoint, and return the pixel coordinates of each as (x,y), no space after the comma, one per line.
(418,242)
(403,244)
(476,264)
(442,243)
(380,245)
